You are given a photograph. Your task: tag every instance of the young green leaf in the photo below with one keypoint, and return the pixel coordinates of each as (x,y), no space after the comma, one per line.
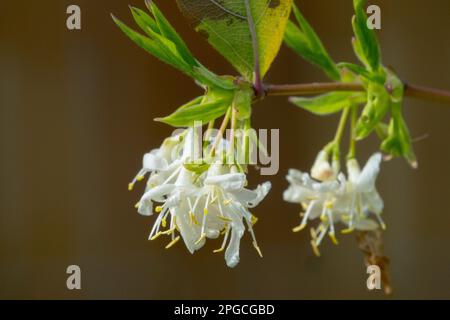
(365,43)
(169,32)
(225,24)
(306,43)
(329,103)
(187,116)
(161,48)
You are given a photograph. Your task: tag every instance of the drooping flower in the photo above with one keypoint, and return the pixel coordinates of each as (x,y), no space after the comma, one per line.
(224,204)
(196,206)
(348,201)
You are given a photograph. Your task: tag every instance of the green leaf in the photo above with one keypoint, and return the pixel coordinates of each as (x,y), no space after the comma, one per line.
(306,43)
(212,79)
(378,103)
(203,112)
(169,32)
(161,48)
(365,44)
(329,103)
(226,26)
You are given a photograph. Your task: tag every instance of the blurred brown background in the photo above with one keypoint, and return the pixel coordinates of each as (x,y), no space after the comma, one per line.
(76,117)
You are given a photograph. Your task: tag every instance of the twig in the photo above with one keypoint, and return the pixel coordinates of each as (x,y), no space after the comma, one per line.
(413,91)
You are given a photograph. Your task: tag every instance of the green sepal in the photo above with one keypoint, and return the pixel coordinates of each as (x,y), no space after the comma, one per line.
(243,99)
(378,102)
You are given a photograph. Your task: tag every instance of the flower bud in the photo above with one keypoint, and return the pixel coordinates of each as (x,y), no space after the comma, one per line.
(322,169)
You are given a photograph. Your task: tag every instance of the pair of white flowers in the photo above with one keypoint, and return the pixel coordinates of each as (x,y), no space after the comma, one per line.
(197,206)
(334,198)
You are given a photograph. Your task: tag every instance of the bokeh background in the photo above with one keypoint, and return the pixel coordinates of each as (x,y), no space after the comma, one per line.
(76,110)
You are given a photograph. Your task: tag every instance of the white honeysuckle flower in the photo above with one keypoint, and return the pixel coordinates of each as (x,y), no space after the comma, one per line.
(349,201)
(195,206)
(362,195)
(221,207)
(175,198)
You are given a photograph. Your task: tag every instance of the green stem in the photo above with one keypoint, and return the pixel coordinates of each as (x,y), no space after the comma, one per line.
(222,129)
(341,127)
(352,148)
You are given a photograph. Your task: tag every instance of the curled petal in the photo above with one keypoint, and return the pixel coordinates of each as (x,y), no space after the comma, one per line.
(261,192)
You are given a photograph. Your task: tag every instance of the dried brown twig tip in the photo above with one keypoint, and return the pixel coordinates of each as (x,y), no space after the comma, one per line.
(371,244)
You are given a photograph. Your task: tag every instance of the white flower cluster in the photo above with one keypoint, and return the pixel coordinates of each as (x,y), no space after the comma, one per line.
(195,206)
(337,199)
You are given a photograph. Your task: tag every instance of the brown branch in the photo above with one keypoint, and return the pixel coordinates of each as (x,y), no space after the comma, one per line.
(413,91)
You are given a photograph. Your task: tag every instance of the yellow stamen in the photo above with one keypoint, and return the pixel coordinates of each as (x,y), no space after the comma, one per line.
(313,233)
(299,228)
(205,211)
(227,202)
(219,250)
(225,219)
(333,238)
(140,178)
(173,242)
(348,230)
(137,205)
(224,231)
(202,237)
(315,248)
(158,209)
(168,232)
(164,222)
(130,186)
(193,218)
(213,200)
(254,220)
(156,236)
(329,204)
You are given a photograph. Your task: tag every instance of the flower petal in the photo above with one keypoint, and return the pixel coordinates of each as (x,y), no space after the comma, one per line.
(368,176)
(366,225)
(189,232)
(261,192)
(228,182)
(373,202)
(232,252)
(153,162)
